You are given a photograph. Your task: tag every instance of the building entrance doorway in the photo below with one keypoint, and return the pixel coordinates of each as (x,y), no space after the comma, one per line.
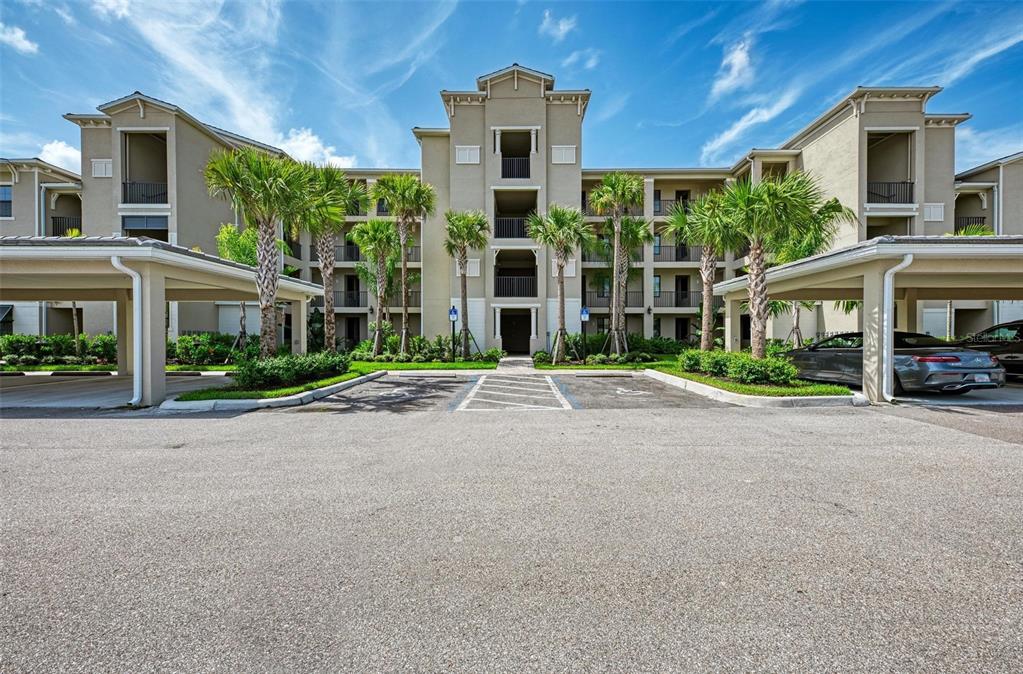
(515,330)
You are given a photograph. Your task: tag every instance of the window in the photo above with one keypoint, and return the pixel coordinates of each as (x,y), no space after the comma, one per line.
(657,201)
(657,244)
(102,168)
(605,288)
(6,201)
(1003,333)
(562,154)
(934,212)
(850,341)
(144,222)
(467,154)
(657,326)
(657,285)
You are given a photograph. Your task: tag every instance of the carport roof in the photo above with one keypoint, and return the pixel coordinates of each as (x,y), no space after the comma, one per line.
(943,267)
(76,258)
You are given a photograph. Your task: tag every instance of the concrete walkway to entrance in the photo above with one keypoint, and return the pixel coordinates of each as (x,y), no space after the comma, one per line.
(516,365)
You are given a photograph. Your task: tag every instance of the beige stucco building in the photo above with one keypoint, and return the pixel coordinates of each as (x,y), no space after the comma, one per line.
(514,144)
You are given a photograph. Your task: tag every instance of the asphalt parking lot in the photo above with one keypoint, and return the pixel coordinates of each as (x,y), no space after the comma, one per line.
(611,538)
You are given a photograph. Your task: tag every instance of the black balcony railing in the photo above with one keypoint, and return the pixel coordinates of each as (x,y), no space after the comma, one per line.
(677,253)
(666,206)
(414,254)
(890,192)
(60,224)
(143,193)
(514,167)
(415,299)
(382,207)
(969,220)
(589,209)
(514,286)
(599,299)
(602,256)
(683,300)
(350,299)
(510,227)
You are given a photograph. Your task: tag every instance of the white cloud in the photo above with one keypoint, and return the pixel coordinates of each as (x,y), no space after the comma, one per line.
(118,9)
(587,58)
(61,154)
(304,145)
(15,38)
(612,107)
(962,64)
(64,12)
(556,29)
(975,147)
(736,71)
(715,147)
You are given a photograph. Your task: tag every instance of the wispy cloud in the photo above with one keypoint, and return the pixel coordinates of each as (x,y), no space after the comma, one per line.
(117,9)
(555,28)
(975,147)
(587,58)
(61,154)
(15,38)
(736,71)
(611,107)
(963,62)
(713,149)
(687,27)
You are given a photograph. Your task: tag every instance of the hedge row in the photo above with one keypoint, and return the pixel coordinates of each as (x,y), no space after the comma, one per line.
(55,349)
(290,370)
(738,366)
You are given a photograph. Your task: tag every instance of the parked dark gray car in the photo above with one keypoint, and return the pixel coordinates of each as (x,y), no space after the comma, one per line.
(922,363)
(1004,342)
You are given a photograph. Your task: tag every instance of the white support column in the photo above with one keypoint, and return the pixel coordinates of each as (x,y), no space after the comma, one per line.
(299,326)
(733,325)
(124,326)
(497,323)
(532,141)
(532,322)
(154,336)
(497,141)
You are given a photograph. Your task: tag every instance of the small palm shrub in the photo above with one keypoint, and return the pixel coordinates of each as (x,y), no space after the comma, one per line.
(289,370)
(689,360)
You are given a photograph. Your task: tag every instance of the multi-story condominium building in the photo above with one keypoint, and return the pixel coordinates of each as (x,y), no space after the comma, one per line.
(513,145)
(37,199)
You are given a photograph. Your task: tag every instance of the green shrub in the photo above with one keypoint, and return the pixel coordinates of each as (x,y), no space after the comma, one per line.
(383,358)
(745,369)
(597,359)
(689,360)
(392,343)
(419,358)
(18,345)
(204,349)
(492,355)
(103,347)
(541,358)
(402,358)
(361,355)
(71,360)
(715,363)
(776,347)
(289,370)
(28,360)
(61,345)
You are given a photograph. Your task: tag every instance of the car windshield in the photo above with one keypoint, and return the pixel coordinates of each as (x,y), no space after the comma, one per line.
(842,342)
(913,340)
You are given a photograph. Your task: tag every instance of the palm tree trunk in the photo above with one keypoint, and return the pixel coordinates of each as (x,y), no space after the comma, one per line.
(616,340)
(559,339)
(325,251)
(403,240)
(758,308)
(378,332)
(708,265)
(464,281)
(74,324)
(242,328)
(623,294)
(267,271)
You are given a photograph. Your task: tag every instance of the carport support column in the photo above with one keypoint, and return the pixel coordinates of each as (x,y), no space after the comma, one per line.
(873,340)
(154,336)
(124,328)
(733,324)
(497,322)
(299,326)
(910,320)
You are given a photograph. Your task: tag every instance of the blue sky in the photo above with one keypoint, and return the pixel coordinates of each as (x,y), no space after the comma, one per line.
(674,84)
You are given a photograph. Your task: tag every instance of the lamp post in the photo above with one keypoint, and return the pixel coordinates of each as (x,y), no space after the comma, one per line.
(584,317)
(453,317)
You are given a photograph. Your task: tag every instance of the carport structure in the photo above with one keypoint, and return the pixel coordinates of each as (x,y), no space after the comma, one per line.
(140,276)
(881,272)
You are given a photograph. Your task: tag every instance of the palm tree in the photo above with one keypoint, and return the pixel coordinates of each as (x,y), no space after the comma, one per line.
(407,200)
(377,240)
(704,225)
(634,233)
(268,190)
(465,230)
(613,197)
(336,195)
(767,215)
(563,229)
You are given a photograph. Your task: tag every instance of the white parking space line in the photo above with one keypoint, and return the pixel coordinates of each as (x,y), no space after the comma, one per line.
(492,392)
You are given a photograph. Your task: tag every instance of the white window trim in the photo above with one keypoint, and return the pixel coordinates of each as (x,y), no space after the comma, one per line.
(470,149)
(554,154)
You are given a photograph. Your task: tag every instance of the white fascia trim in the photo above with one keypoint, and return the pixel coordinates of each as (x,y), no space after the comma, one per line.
(143,128)
(160,209)
(516,187)
(515,128)
(877,251)
(891,128)
(515,306)
(515,246)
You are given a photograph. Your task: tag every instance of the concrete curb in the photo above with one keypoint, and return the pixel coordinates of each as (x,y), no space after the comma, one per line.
(854,400)
(242,405)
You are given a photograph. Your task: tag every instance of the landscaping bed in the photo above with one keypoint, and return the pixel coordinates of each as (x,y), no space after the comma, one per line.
(796,387)
(232,393)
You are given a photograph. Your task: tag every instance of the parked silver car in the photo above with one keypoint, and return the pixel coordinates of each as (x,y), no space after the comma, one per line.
(922,363)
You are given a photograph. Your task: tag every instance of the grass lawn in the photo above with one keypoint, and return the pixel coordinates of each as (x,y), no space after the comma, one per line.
(798,387)
(202,368)
(372,366)
(610,366)
(231,393)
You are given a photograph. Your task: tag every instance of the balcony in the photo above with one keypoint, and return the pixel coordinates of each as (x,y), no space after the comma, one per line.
(60,224)
(510,227)
(677,253)
(598,299)
(666,206)
(415,299)
(143,193)
(415,254)
(589,210)
(605,256)
(514,167)
(344,299)
(890,192)
(970,221)
(514,286)
(382,208)
(683,300)
(348,253)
